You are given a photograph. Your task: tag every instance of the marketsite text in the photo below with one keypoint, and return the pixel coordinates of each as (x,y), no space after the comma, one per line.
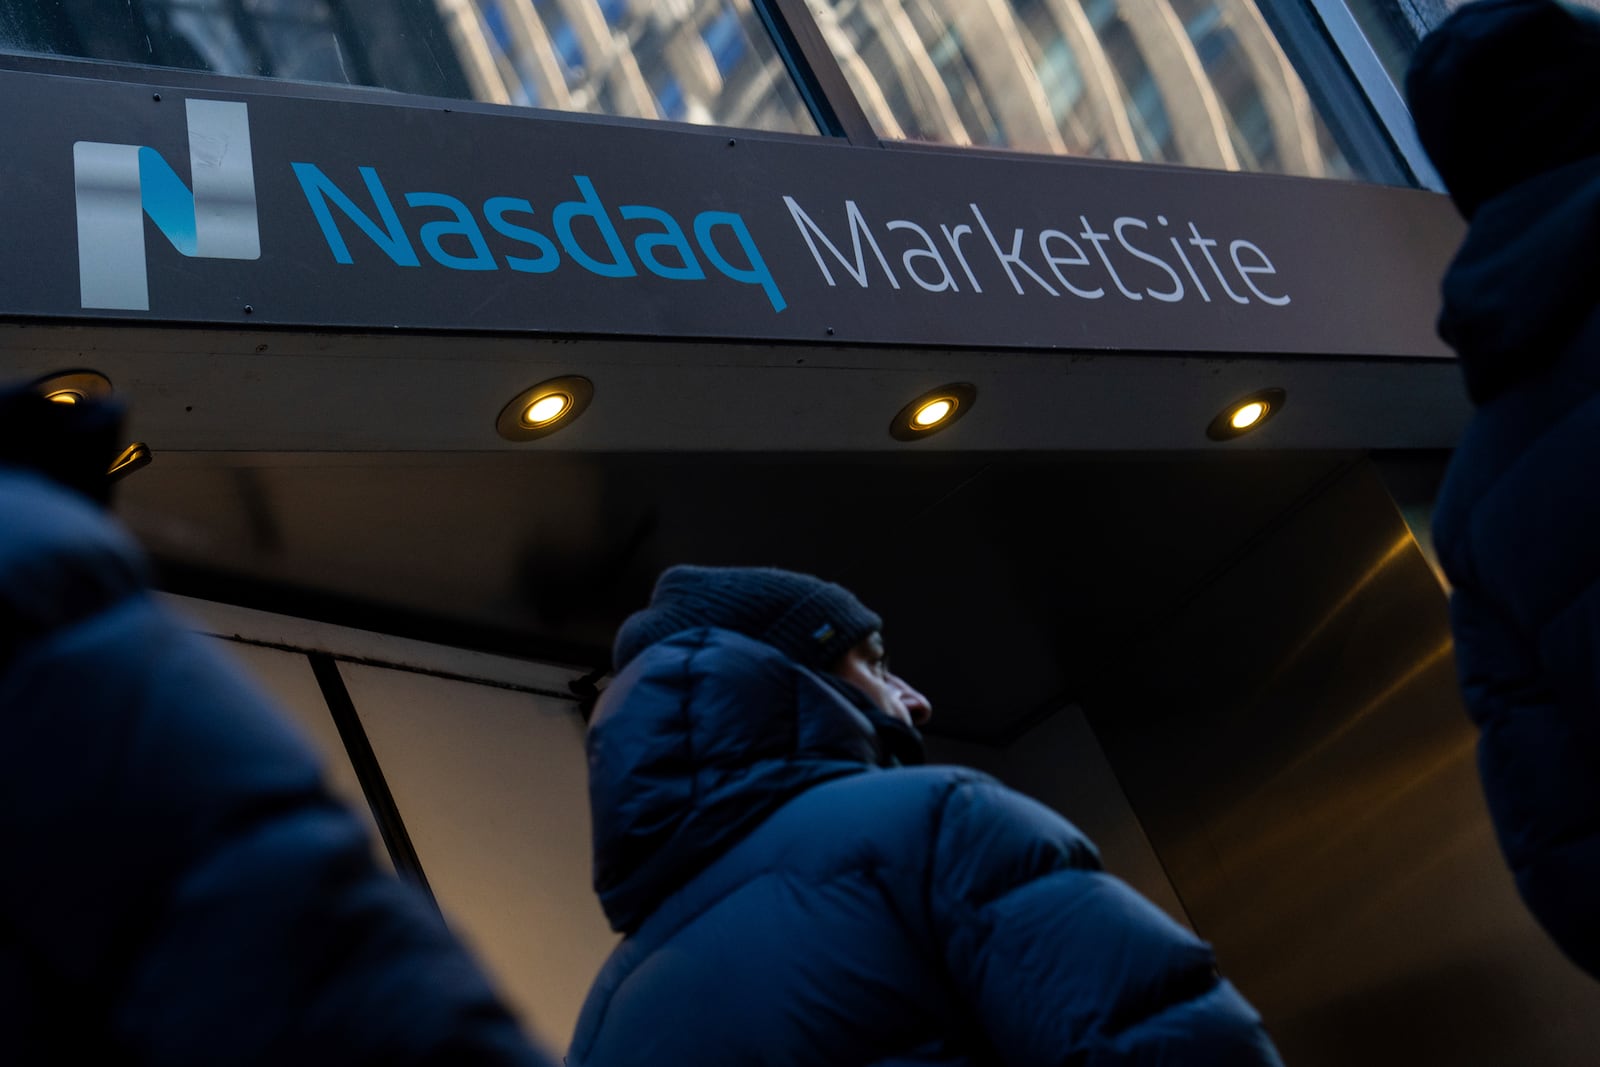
(1128,257)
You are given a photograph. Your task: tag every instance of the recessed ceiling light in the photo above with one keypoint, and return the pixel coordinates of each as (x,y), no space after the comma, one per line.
(933,411)
(73,386)
(1246,414)
(545,408)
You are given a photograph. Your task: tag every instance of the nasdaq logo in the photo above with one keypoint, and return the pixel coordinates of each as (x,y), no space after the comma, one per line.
(119,184)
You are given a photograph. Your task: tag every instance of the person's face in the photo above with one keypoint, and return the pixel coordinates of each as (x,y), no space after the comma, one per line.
(867,668)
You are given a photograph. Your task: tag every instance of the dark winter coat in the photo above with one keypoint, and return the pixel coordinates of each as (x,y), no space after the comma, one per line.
(1517,525)
(178,887)
(788,901)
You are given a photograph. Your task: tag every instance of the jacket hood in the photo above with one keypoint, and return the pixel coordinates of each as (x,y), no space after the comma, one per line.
(1503,91)
(701,738)
(1503,95)
(60,560)
(1524,282)
(71,444)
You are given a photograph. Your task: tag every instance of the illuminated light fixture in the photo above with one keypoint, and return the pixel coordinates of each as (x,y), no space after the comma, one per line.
(544,409)
(933,411)
(1246,414)
(132,458)
(74,387)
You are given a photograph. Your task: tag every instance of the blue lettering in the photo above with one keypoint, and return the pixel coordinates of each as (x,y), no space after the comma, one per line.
(167,201)
(433,233)
(590,207)
(390,238)
(673,237)
(754,274)
(495,210)
(664,248)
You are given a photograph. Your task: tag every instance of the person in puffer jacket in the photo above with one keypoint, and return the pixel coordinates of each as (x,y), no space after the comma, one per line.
(180,888)
(1506,98)
(794,890)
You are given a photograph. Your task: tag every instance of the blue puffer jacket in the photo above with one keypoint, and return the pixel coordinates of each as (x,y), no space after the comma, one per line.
(178,887)
(787,901)
(1517,524)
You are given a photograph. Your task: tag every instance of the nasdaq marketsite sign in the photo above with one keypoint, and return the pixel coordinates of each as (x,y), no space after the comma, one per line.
(211,207)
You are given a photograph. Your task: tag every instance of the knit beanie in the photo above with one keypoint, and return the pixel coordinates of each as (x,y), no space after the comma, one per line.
(72,444)
(811,621)
(1505,90)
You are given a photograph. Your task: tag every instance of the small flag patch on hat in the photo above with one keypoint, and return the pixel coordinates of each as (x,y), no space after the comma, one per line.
(823,632)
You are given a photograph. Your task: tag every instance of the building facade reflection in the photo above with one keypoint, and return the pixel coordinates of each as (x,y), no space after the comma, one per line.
(1196,82)
(698,61)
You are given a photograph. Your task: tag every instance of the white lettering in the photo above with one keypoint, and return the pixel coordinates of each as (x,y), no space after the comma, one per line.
(946,281)
(952,237)
(1123,223)
(1264,267)
(1077,259)
(1014,256)
(858,230)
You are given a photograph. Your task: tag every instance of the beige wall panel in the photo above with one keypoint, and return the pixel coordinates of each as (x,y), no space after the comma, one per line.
(492,786)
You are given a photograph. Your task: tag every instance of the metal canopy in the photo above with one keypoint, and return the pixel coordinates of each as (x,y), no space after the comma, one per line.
(360,478)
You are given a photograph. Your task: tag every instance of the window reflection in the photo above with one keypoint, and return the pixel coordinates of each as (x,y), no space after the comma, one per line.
(1197,82)
(702,61)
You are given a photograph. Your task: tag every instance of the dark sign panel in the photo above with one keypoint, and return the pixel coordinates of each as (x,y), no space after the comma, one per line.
(217,208)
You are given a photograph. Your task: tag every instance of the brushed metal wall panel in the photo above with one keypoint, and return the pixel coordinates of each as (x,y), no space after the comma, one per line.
(1294,744)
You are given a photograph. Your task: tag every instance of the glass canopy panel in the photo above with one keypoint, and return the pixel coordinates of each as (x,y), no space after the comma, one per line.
(699,61)
(1197,82)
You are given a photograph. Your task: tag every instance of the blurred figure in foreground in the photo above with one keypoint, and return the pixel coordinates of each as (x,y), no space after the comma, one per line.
(1506,97)
(792,893)
(179,887)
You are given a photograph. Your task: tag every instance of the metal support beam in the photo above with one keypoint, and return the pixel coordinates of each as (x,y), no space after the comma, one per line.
(373,784)
(816,71)
(1350,103)
(1388,104)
